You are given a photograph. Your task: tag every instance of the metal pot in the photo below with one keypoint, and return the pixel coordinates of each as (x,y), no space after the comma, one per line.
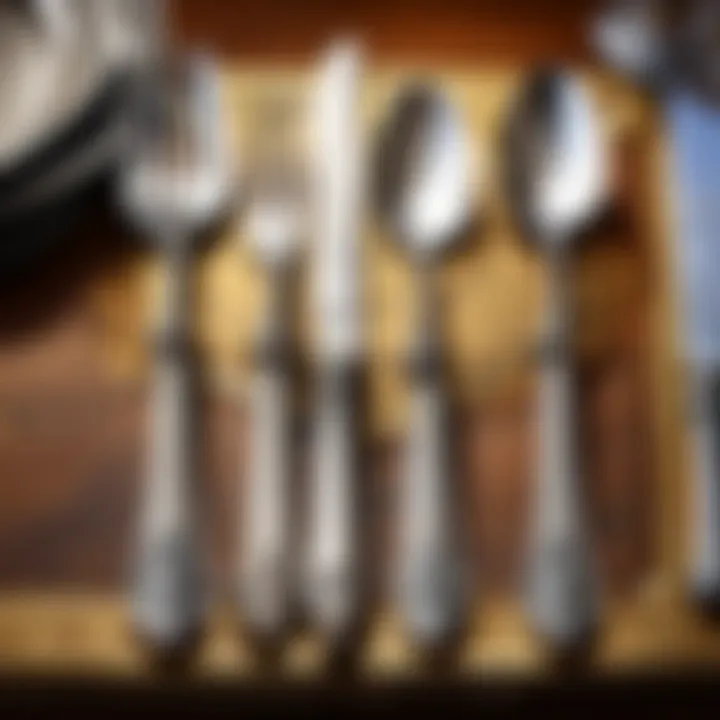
(65,77)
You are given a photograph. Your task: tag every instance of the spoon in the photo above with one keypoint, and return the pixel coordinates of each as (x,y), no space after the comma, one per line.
(425,183)
(559,167)
(173,186)
(275,223)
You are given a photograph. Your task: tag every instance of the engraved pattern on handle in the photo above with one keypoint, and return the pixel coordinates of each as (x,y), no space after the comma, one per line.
(429,592)
(168,597)
(264,567)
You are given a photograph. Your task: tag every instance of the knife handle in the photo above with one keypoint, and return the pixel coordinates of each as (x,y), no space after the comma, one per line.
(167,594)
(430,591)
(705,506)
(330,574)
(264,550)
(561,591)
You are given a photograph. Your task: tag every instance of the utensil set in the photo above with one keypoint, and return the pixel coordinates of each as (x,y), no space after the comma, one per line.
(426,184)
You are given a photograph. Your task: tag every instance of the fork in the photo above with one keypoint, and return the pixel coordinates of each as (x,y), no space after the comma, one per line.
(275,225)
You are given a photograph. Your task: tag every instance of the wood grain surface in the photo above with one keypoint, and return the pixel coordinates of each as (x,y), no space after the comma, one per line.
(454,32)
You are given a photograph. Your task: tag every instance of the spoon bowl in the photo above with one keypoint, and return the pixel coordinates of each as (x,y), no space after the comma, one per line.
(426,175)
(558,158)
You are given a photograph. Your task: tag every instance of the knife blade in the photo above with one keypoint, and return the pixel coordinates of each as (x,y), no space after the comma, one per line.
(335,139)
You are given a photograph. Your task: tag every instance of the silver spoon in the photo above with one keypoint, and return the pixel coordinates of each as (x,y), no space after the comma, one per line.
(276,223)
(425,180)
(559,162)
(176,184)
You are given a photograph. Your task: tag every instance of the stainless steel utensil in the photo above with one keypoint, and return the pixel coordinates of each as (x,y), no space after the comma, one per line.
(425,176)
(330,562)
(276,224)
(176,183)
(559,168)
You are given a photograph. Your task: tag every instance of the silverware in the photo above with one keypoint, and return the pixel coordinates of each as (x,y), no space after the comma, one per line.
(175,184)
(276,225)
(559,165)
(330,562)
(425,176)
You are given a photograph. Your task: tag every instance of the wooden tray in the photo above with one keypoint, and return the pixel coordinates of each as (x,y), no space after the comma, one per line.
(72,367)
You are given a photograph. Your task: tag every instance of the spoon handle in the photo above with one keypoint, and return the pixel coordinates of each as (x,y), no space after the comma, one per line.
(264,563)
(705,517)
(167,594)
(429,592)
(330,581)
(562,602)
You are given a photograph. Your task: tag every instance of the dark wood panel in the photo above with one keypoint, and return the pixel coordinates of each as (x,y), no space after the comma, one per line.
(452,31)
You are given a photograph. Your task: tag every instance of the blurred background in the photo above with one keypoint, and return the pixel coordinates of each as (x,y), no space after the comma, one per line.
(77,338)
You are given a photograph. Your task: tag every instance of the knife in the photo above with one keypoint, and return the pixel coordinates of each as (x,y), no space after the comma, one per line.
(330,579)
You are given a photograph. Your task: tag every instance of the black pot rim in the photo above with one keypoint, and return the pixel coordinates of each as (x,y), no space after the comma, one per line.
(72,134)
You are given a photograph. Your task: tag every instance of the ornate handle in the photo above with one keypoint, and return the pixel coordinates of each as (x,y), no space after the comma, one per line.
(562,600)
(167,595)
(330,582)
(264,552)
(430,583)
